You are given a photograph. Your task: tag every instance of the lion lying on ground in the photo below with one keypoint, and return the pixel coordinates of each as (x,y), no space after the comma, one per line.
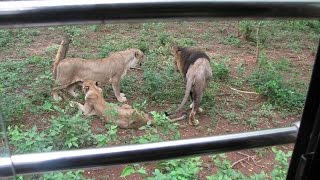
(124,116)
(194,64)
(68,72)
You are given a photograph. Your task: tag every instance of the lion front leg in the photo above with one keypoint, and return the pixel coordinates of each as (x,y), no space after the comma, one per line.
(116,89)
(86,109)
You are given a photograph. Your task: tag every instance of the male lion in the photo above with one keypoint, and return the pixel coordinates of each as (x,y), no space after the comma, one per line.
(68,72)
(124,116)
(194,64)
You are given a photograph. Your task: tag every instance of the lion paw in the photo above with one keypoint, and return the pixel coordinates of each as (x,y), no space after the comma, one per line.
(122,95)
(74,94)
(72,103)
(200,110)
(57,98)
(195,122)
(122,99)
(191,106)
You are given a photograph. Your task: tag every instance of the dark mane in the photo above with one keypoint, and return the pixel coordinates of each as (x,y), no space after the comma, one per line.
(190,56)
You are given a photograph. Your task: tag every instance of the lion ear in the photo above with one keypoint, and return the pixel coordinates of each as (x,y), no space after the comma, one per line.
(176,49)
(97,83)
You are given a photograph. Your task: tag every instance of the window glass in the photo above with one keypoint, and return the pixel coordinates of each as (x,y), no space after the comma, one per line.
(260,75)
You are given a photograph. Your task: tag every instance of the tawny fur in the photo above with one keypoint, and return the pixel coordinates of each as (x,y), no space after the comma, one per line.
(69,72)
(194,64)
(61,54)
(126,116)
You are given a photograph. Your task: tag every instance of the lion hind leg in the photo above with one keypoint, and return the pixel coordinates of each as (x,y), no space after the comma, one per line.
(199,110)
(196,99)
(192,119)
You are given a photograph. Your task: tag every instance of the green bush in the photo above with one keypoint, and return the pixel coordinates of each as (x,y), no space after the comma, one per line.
(164,38)
(65,132)
(70,175)
(279,171)
(274,88)
(185,42)
(102,139)
(247,28)
(6,37)
(269,82)
(153,81)
(232,40)
(28,141)
(180,169)
(220,70)
(225,171)
(162,128)
(70,131)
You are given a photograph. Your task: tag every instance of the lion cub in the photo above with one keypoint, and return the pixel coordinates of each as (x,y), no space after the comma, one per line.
(68,72)
(124,116)
(194,64)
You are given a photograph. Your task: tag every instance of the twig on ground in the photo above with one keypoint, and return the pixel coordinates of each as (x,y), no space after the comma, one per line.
(246,92)
(136,68)
(246,159)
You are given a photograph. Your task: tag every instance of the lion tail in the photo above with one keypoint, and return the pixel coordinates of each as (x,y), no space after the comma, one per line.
(186,96)
(61,54)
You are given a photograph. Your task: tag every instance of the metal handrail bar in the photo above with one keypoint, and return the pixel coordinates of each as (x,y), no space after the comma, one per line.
(99,157)
(39,12)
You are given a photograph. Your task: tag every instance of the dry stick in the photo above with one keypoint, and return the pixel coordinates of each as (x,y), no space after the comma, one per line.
(178,118)
(238,28)
(246,92)
(247,157)
(258,42)
(242,160)
(136,68)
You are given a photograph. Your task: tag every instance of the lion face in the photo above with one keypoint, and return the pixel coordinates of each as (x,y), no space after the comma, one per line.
(177,58)
(139,56)
(90,84)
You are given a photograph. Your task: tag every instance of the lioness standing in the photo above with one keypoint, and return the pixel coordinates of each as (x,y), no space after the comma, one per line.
(68,72)
(194,64)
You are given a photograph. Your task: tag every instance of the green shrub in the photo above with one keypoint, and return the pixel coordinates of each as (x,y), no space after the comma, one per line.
(164,38)
(269,82)
(247,28)
(274,88)
(6,37)
(178,169)
(70,175)
(162,128)
(153,81)
(232,40)
(279,171)
(70,131)
(185,42)
(225,171)
(28,141)
(102,139)
(220,70)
